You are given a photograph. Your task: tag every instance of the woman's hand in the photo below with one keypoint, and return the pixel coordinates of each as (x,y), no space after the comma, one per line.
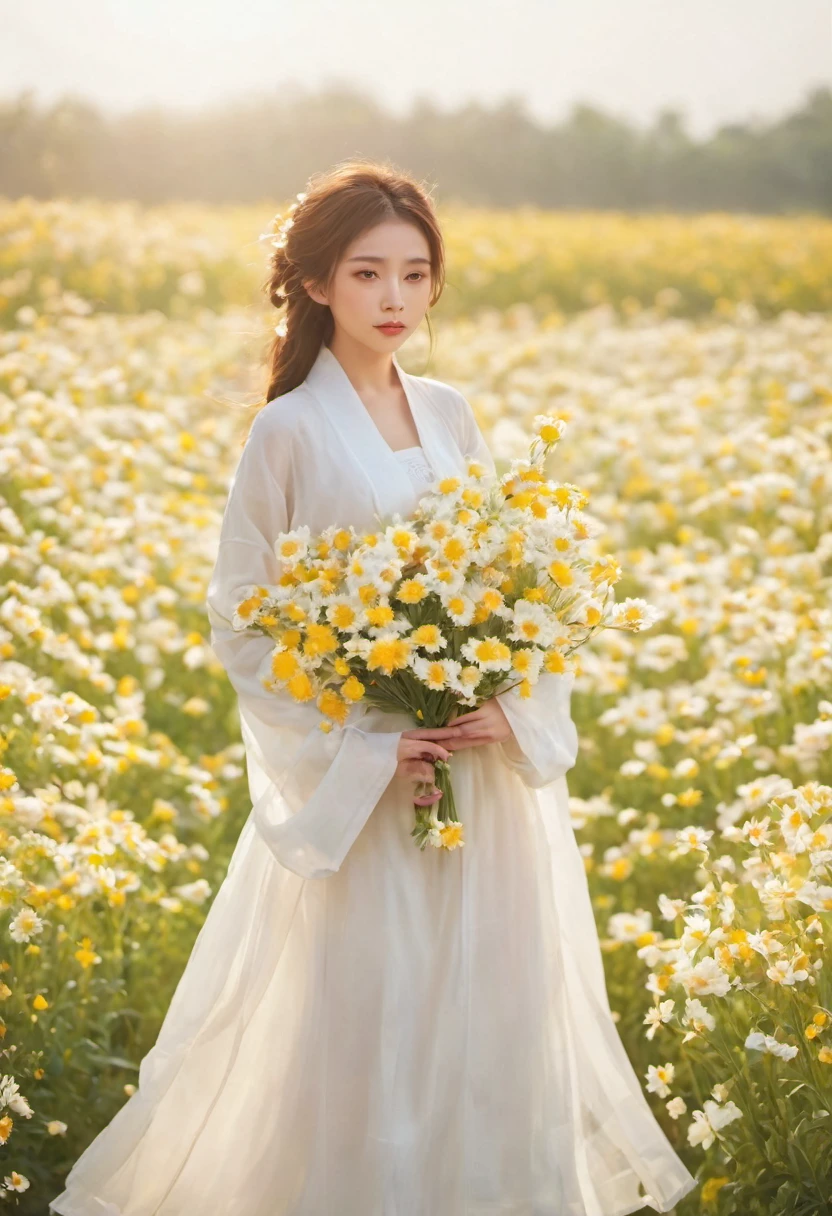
(488,724)
(417,750)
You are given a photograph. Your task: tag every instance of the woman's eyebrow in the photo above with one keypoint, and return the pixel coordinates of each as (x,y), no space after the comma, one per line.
(370,257)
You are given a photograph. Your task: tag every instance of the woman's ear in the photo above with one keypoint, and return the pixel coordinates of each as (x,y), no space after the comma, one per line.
(314,292)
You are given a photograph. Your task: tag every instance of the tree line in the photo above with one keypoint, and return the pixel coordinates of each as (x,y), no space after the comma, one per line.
(266,147)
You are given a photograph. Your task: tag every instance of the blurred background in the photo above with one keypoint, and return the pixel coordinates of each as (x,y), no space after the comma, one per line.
(635,199)
(647,104)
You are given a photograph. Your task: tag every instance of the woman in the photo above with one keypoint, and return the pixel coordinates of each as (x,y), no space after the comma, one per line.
(364,1028)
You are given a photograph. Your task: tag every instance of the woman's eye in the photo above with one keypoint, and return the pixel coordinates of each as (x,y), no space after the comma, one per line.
(418,273)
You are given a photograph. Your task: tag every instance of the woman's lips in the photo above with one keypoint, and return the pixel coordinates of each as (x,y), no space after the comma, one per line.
(390,329)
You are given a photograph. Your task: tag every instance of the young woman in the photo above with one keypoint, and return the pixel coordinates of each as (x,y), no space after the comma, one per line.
(363,1028)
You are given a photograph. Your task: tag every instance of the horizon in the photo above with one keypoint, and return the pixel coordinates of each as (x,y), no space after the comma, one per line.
(630,63)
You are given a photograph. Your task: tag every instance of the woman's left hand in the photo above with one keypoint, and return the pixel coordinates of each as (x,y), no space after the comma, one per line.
(488,724)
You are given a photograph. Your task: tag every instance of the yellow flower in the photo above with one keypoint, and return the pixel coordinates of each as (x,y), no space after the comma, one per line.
(449,485)
(620,869)
(412,591)
(710,1189)
(428,636)
(320,639)
(553,660)
(300,686)
(522,660)
(331,704)
(85,955)
(40,1002)
(389,653)
(247,610)
(382,614)
(560,573)
(436,676)
(451,834)
(489,650)
(454,550)
(492,599)
(284,664)
(341,615)
(352,689)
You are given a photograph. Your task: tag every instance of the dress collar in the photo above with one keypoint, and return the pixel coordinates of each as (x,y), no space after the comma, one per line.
(332,387)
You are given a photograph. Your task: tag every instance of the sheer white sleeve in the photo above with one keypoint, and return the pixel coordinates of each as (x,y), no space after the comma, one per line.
(312,791)
(544,741)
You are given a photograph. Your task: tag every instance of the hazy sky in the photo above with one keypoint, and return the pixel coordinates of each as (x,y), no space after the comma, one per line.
(718,60)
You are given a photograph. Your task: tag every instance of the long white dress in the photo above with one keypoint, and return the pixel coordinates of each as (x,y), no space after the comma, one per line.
(362,1028)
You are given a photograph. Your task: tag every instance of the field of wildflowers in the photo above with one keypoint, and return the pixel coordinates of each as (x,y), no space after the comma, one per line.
(692,360)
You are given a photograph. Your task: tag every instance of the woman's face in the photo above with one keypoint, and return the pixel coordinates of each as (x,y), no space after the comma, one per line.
(384,276)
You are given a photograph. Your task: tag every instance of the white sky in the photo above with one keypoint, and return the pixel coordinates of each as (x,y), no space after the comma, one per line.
(718,60)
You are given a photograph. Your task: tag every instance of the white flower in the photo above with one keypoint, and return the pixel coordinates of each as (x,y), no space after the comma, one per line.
(460,608)
(292,547)
(756,831)
(705,979)
(784,971)
(658,1015)
(757,1041)
(659,1078)
(670,908)
(25,925)
(627,926)
(533,623)
(706,1124)
(698,1018)
(194,892)
(16,1182)
(691,838)
(487,653)
(436,673)
(20,1106)
(548,427)
(633,615)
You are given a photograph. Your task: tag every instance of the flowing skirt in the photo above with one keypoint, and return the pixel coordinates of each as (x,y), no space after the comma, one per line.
(418,1034)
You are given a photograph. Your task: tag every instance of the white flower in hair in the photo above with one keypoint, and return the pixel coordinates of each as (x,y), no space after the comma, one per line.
(279,237)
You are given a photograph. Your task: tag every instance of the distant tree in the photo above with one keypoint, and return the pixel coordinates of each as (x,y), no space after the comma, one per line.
(261,147)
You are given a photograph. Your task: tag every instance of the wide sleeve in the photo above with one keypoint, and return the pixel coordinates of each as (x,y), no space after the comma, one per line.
(544,741)
(312,791)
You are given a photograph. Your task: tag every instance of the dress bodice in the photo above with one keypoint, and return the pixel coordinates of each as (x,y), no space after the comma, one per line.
(416,463)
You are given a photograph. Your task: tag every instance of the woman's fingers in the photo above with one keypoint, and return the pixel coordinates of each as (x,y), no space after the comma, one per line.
(422,773)
(427,799)
(409,747)
(431,732)
(471,740)
(420,770)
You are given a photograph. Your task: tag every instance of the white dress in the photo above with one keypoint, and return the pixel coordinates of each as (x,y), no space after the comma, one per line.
(363,1028)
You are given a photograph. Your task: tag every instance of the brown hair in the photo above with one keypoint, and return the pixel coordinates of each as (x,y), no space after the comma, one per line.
(337,207)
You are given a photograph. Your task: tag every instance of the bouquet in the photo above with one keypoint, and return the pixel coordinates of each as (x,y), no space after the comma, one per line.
(484,586)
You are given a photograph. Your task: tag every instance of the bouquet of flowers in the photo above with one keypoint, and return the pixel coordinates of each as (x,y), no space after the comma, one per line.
(484,586)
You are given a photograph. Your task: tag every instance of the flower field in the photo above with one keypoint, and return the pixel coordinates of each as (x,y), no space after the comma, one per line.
(692,362)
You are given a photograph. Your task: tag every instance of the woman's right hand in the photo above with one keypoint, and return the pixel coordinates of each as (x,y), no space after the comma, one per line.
(417,750)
